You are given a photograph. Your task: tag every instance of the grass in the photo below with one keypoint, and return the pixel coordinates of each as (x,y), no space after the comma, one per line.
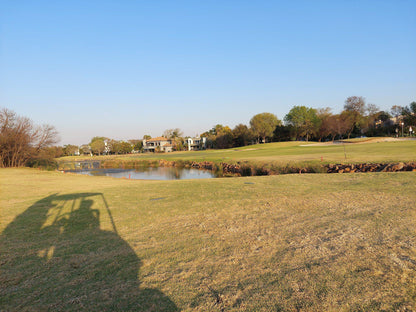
(299,153)
(277,243)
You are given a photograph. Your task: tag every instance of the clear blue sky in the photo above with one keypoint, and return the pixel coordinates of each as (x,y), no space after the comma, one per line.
(122,69)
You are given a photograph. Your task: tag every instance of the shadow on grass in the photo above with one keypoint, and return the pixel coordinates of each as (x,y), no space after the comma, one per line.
(54,256)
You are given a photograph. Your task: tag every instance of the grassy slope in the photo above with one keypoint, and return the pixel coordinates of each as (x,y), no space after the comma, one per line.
(245,244)
(299,152)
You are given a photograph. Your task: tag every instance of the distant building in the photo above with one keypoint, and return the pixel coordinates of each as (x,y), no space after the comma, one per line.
(196,143)
(159,144)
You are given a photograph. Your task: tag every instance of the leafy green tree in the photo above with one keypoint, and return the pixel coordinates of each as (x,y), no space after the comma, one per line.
(219,137)
(223,136)
(137,144)
(97,145)
(283,133)
(409,114)
(125,147)
(120,147)
(263,125)
(70,150)
(241,135)
(304,120)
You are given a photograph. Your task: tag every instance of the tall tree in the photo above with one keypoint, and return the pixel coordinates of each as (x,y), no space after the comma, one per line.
(373,112)
(241,135)
(304,120)
(396,110)
(323,115)
(355,108)
(263,125)
(409,114)
(98,145)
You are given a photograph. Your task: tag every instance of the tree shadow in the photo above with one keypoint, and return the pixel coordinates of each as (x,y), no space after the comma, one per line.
(54,256)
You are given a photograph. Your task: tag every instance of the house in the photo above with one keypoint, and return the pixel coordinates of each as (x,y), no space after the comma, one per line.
(159,144)
(196,143)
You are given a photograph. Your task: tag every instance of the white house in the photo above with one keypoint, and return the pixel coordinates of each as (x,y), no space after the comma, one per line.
(196,143)
(159,144)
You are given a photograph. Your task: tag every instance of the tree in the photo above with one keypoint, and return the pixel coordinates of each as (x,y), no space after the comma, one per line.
(219,137)
(175,135)
(70,150)
(283,133)
(98,145)
(304,120)
(355,104)
(223,136)
(137,145)
(263,125)
(172,133)
(396,110)
(372,116)
(409,114)
(120,147)
(241,135)
(21,140)
(323,115)
(125,147)
(355,108)
(343,124)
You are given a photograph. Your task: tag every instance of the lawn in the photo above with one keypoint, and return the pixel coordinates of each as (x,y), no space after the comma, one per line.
(323,242)
(353,151)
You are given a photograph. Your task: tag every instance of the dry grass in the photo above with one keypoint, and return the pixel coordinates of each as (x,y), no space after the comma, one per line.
(278,243)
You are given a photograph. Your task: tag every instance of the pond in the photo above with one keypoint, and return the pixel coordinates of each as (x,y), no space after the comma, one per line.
(159,173)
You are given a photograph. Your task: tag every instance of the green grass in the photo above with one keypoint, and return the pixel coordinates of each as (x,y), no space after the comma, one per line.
(278,243)
(354,151)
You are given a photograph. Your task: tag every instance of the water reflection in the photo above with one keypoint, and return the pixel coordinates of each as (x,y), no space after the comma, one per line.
(160,173)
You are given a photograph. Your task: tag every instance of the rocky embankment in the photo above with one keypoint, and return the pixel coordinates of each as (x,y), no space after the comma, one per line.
(247,169)
(256,169)
(377,167)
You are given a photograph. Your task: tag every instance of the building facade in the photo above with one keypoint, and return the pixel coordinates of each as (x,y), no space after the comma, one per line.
(159,144)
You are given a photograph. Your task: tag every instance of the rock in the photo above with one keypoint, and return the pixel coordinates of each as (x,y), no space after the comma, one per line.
(397,167)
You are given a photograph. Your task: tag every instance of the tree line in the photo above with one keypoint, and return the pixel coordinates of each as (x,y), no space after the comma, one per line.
(305,123)
(24,143)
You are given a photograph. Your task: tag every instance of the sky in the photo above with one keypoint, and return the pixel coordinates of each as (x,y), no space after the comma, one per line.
(122,69)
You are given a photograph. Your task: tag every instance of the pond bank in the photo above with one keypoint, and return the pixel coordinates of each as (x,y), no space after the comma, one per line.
(245,168)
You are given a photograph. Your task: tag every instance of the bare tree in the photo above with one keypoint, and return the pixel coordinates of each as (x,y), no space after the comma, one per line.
(172,133)
(396,110)
(324,115)
(21,140)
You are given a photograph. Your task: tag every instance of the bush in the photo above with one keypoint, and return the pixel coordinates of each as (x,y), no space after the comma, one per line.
(46,164)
